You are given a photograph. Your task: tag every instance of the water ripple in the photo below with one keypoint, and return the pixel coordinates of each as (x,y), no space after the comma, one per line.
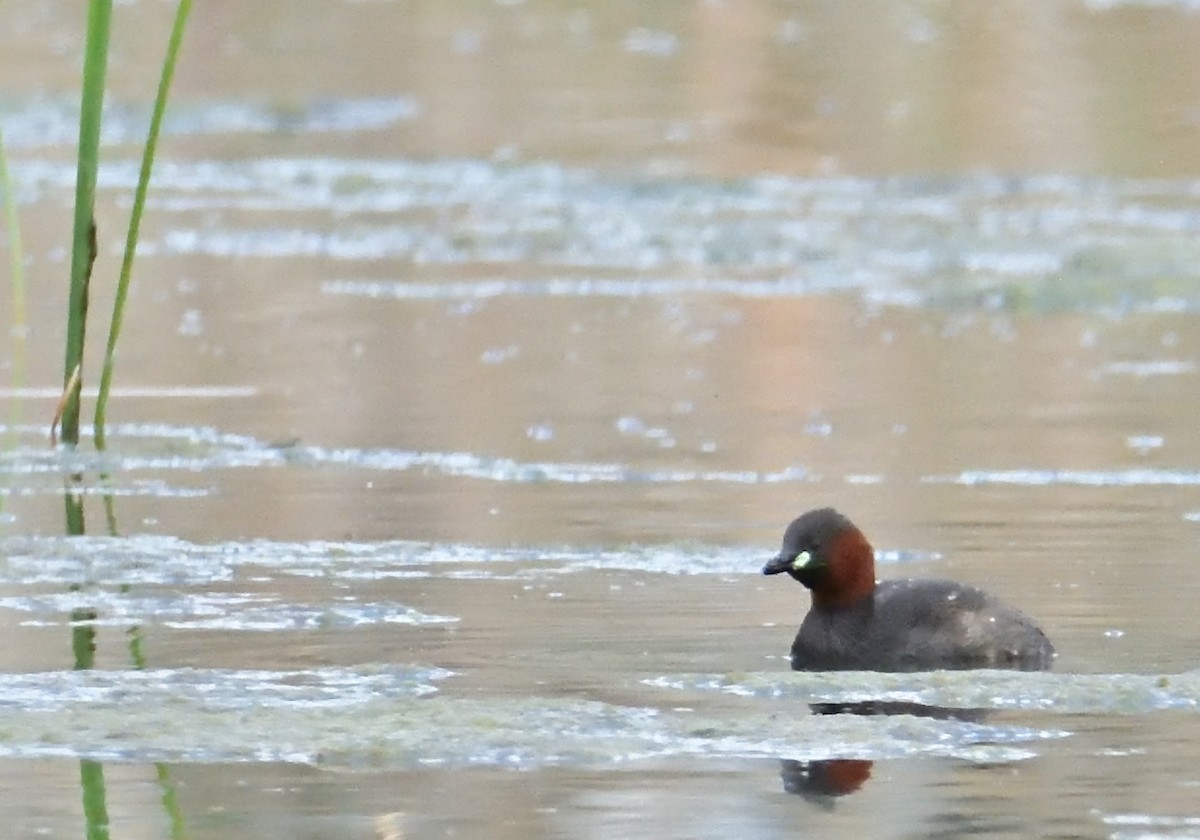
(1088,478)
(208,611)
(40,123)
(199,449)
(152,560)
(582,287)
(1128,694)
(1046,242)
(218,688)
(376,717)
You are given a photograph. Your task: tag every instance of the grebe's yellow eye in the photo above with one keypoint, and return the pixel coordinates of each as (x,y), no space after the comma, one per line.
(801,560)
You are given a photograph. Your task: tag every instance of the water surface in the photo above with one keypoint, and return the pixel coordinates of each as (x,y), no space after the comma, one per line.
(477,356)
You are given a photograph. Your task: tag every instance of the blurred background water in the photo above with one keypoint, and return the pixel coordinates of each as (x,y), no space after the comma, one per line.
(478,354)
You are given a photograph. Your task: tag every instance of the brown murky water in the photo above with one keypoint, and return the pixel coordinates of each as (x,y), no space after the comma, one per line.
(478,354)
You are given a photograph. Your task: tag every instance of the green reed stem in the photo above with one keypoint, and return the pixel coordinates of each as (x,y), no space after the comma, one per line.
(135,217)
(83,256)
(162,771)
(83,241)
(91,773)
(95,799)
(170,801)
(110,509)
